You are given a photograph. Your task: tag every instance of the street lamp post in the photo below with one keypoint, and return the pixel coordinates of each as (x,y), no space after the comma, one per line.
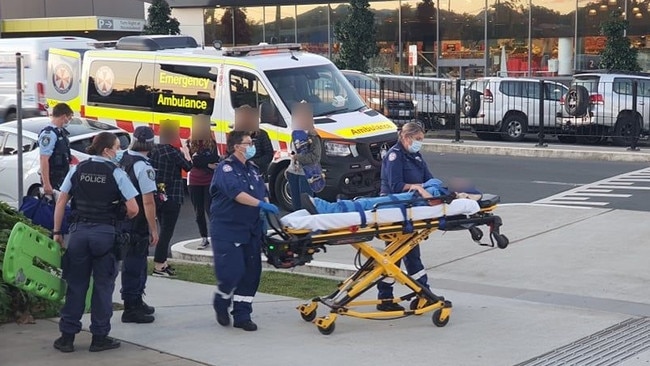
(530,38)
(399,35)
(575,39)
(486,53)
(437,38)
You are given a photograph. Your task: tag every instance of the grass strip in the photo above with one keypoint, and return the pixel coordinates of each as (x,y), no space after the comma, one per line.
(272,282)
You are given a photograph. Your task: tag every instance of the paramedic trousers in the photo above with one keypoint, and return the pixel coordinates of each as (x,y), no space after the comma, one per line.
(90,251)
(415,269)
(238,267)
(134,268)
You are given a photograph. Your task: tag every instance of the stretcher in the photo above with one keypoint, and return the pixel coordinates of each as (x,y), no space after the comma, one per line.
(294,239)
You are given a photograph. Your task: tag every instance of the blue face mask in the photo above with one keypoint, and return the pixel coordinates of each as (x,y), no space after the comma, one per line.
(118,156)
(415,146)
(250,151)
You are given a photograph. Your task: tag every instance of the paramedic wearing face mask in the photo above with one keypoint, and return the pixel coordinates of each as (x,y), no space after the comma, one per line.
(238,196)
(403,169)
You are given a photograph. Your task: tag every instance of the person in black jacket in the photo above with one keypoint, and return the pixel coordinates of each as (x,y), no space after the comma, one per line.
(203,149)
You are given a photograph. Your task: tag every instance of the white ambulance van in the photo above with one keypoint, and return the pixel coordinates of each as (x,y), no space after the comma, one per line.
(35,52)
(158,80)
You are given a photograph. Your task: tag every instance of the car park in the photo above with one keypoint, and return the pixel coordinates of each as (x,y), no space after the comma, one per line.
(81,132)
(602,105)
(509,108)
(398,107)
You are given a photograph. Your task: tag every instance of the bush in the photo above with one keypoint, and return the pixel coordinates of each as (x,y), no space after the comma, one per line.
(15,304)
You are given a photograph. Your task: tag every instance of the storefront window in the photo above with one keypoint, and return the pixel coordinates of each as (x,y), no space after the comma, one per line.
(313,27)
(280,23)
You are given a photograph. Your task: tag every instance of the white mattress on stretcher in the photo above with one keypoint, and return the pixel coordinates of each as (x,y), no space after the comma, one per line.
(302,219)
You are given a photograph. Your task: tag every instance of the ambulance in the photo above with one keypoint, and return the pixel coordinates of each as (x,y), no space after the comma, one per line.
(172,81)
(35,59)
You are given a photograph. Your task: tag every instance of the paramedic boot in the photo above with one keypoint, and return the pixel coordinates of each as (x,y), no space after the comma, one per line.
(65,343)
(220,306)
(103,343)
(134,312)
(149,310)
(389,305)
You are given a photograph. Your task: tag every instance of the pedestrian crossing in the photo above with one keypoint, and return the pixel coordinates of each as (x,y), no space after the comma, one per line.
(605,193)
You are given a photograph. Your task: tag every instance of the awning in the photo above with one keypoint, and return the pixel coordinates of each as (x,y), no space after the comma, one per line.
(72,24)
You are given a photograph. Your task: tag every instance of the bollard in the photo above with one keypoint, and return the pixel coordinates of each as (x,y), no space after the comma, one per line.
(637,129)
(540,136)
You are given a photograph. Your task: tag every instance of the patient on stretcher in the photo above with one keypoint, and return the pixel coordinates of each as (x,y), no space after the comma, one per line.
(434,187)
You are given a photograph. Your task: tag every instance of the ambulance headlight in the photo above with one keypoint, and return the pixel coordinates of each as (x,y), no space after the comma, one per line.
(337,149)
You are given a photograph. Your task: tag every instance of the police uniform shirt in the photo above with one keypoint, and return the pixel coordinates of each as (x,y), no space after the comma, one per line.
(123,182)
(401,167)
(144,173)
(47,141)
(232,220)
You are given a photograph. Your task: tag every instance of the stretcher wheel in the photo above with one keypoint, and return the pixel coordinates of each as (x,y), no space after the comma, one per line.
(436,318)
(328,329)
(476,233)
(309,317)
(502,240)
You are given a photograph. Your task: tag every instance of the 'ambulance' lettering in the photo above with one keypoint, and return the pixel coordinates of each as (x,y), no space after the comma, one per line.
(182,102)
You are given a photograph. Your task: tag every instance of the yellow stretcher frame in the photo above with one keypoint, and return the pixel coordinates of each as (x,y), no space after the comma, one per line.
(296,247)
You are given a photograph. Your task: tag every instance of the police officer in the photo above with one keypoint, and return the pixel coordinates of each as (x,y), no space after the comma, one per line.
(99,191)
(142,230)
(238,194)
(403,169)
(54,148)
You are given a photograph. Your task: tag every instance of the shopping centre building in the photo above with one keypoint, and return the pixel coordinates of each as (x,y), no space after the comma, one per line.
(564,34)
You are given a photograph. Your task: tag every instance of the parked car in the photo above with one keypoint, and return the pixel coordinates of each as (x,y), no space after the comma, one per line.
(432,97)
(398,107)
(599,105)
(509,108)
(81,132)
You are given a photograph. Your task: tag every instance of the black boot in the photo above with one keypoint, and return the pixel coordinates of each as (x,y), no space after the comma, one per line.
(103,343)
(65,343)
(134,312)
(149,310)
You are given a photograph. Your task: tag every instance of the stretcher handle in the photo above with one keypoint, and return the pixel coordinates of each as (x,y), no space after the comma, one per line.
(275,225)
(412,201)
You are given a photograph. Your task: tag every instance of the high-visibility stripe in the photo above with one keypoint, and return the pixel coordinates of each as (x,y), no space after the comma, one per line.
(239,298)
(224,295)
(419,274)
(125,125)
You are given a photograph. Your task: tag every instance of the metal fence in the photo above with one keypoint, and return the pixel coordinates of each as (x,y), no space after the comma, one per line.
(590,109)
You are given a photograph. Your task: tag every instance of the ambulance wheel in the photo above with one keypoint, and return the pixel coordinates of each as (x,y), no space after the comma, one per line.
(309,317)
(436,318)
(327,330)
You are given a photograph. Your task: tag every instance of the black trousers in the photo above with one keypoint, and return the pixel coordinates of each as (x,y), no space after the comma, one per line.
(200,197)
(167,217)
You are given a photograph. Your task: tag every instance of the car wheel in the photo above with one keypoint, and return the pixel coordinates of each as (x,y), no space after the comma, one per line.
(471,103)
(576,102)
(590,136)
(626,128)
(11,116)
(514,128)
(281,191)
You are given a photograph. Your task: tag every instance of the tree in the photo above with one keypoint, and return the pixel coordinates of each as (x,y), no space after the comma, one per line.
(242,28)
(618,53)
(357,35)
(159,19)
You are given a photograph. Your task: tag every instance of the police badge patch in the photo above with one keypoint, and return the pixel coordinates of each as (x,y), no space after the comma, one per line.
(151,174)
(45,140)
(226,168)
(392,156)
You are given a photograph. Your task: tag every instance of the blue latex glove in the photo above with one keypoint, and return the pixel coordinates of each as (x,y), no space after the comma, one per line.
(268,207)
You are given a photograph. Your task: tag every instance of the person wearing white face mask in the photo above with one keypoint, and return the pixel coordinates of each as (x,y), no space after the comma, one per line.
(54,149)
(402,170)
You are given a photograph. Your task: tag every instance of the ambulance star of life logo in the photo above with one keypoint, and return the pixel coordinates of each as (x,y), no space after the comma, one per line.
(104,78)
(62,78)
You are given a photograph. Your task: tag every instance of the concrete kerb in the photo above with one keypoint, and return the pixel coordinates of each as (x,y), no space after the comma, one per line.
(568,152)
(185,251)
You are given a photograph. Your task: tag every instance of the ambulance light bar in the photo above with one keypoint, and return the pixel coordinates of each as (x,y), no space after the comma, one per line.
(260,49)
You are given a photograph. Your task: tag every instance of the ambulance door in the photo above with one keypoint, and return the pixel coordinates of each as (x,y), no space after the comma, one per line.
(247,88)
(184,96)
(63,78)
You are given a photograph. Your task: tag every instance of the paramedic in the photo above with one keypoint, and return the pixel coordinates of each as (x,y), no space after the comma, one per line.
(54,148)
(99,191)
(238,194)
(403,169)
(143,230)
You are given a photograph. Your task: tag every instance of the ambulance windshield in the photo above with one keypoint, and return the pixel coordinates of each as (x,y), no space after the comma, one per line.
(323,86)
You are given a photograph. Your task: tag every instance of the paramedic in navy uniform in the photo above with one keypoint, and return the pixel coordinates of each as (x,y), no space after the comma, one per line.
(54,148)
(99,190)
(238,194)
(403,169)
